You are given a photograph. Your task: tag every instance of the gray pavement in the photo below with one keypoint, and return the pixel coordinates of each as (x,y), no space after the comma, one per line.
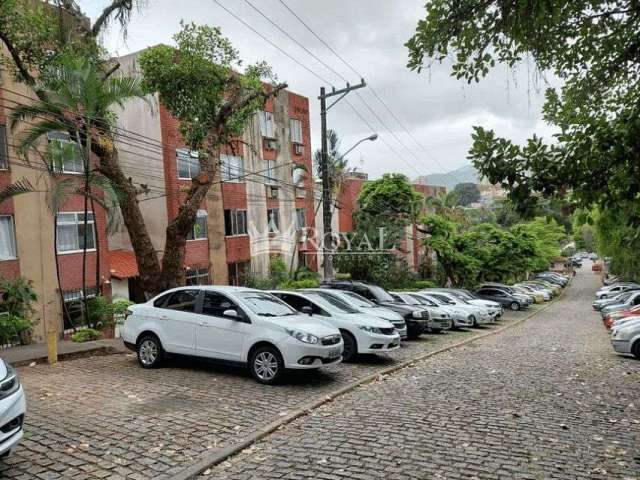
(546,399)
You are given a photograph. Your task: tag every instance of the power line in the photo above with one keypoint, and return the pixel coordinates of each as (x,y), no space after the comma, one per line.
(354,70)
(315,74)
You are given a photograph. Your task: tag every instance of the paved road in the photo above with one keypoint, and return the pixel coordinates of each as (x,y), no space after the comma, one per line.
(546,399)
(105,417)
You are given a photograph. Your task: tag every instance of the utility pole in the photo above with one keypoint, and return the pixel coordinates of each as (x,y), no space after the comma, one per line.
(327,239)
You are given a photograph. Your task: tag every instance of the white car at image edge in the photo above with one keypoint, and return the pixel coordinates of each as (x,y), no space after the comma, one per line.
(232,325)
(626,338)
(13,407)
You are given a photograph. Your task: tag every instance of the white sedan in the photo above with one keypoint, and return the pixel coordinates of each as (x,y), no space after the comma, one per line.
(234,325)
(13,407)
(361,333)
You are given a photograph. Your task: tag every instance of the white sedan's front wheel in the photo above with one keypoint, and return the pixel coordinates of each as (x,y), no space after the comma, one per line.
(149,351)
(266,365)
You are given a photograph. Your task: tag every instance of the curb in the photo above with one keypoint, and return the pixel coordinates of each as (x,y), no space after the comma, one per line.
(97,351)
(223,454)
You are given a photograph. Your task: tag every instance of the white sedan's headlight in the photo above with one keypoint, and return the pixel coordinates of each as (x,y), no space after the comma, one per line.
(369,329)
(617,334)
(303,336)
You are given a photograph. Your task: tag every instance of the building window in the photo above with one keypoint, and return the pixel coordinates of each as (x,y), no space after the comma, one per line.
(273,220)
(199,230)
(64,153)
(4,152)
(7,238)
(71,233)
(238,273)
(301,218)
(197,276)
(266,124)
(270,171)
(235,222)
(232,168)
(295,127)
(188,164)
(298,176)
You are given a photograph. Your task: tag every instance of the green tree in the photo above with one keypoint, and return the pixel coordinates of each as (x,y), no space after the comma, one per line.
(467,193)
(593,47)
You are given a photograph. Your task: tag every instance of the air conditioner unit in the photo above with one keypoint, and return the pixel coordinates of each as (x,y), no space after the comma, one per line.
(272,144)
(298,148)
(272,191)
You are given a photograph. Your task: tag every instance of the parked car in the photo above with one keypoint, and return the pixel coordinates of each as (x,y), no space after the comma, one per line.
(538,293)
(439,319)
(554,288)
(612,317)
(553,278)
(503,297)
(463,314)
(619,323)
(361,333)
(537,297)
(495,309)
(366,306)
(528,299)
(624,301)
(616,289)
(234,325)
(13,407)
(626,339)
(417,320)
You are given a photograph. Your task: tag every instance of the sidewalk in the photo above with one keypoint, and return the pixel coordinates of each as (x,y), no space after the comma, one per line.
(37,352)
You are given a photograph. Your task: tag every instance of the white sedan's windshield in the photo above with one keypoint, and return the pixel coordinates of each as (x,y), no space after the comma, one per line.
(265,304)
(330,300)
(358,300)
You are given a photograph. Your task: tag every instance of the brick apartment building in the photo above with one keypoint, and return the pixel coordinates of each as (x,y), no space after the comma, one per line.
(411,248)
(255,211)
(27,234)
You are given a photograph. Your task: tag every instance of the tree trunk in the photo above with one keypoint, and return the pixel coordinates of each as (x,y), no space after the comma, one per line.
(148,265)
(97,241)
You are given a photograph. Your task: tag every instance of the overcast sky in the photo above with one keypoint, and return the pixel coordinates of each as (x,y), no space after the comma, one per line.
(438,110)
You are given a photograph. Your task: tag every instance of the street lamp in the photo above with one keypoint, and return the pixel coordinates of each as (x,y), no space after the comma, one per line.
(372,138)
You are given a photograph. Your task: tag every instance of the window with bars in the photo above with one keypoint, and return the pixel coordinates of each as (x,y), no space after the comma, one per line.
(270,171)
(301,218)
(295,129)
(267,127)
(232,168)
(188,164)
(273,220)
(199,231)
(7,238)
(235,222)
(71,232)
(64,153)
(197,276)
(239,273)
(4,151)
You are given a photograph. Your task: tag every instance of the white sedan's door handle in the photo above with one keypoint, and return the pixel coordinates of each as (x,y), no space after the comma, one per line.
(202,324)
(164,317)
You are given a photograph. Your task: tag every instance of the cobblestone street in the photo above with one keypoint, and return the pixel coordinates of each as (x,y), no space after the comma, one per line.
(105,417)
(546,399)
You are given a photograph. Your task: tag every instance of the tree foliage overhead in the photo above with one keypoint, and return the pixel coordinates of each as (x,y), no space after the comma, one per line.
(594,47)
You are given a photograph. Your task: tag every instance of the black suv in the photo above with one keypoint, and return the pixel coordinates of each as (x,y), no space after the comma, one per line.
(417,320)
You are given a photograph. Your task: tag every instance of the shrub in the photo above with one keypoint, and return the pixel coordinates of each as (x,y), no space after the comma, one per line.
(296,284)
(11,327)
(85,335)
(422,284)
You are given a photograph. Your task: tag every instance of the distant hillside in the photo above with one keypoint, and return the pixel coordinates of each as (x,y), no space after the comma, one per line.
(450,179)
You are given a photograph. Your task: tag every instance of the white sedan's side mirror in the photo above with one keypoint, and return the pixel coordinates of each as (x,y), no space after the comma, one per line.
(231,313)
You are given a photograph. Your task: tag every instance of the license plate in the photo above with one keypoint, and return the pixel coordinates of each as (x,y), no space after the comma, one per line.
(334,353)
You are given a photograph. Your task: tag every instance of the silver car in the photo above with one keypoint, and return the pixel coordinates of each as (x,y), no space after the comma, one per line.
(626,338)
(476,314)
(439,319)
(366,306)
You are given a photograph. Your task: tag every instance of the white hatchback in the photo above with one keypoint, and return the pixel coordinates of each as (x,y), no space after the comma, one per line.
(361,332)
(231,324)
(13,407)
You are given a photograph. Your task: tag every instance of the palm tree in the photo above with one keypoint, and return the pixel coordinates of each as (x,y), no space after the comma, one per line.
(338,165)
(445,204)
(76,97)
